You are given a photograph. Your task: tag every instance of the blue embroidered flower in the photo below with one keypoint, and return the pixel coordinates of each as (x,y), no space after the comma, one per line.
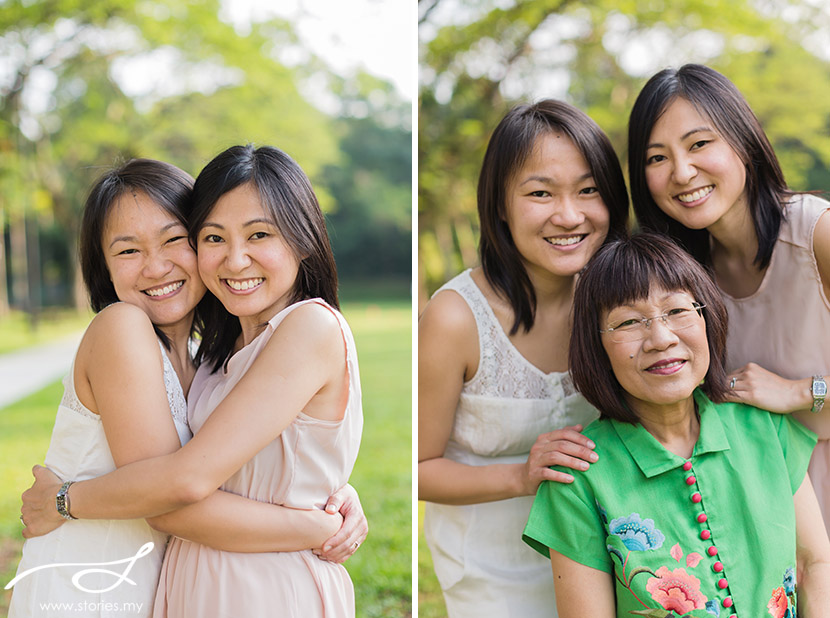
(637,534)
(789,581)
(713,607)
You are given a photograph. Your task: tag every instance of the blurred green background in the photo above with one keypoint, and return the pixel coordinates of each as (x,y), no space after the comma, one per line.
(87,85)
(477,58)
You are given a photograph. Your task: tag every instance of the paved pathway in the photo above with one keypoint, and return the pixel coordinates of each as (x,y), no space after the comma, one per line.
(27,371)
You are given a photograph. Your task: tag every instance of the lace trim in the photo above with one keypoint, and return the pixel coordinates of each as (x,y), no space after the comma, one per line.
(70,398)
(503,372)
(175,394)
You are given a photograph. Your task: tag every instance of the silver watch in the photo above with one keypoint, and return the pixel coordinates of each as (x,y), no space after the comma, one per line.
(819,390)
(62,501)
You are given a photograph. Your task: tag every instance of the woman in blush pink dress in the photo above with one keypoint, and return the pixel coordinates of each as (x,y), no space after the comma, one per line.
(703,171)
(264,254)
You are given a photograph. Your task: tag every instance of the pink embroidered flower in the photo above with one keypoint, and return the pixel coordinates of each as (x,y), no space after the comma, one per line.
(777,605)
(676,590)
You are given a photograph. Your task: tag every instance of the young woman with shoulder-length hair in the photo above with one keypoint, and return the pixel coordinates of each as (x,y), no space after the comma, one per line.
(703,171)
(496,406)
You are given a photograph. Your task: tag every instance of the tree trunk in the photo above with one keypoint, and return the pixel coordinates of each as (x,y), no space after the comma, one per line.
(4,289)
(34,282)
(19,264)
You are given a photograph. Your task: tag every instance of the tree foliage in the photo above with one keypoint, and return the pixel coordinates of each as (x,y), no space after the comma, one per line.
(65,114)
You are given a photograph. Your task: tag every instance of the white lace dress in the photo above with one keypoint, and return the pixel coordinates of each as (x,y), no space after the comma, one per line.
(79,451)
(482,564)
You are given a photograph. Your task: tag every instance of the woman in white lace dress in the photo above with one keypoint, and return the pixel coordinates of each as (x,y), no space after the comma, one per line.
(496,406)
(124,401)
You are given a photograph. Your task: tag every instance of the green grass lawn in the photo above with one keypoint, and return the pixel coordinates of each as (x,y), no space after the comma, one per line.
(17,330)
(430,598)
(382,568)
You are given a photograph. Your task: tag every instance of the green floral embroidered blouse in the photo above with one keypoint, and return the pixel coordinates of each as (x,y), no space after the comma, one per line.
(713,535)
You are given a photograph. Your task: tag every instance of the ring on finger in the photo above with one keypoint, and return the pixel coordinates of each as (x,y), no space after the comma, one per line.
(732,382)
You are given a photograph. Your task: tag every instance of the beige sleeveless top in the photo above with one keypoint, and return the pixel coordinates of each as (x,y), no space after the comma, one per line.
(785,325)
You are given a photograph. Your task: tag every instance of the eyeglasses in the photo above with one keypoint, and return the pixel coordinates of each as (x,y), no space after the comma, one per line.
(636,329)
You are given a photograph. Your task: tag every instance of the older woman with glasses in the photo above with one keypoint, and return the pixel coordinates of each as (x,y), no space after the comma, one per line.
(696,507)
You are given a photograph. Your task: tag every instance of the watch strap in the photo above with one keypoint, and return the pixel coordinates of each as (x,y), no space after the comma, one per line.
(62,501)
(819,392)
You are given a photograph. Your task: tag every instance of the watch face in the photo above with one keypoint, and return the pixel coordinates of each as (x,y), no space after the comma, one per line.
(819,389)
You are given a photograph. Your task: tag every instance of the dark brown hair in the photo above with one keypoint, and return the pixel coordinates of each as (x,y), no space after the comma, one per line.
(289,200)
(622,272)
(716,98)
(510,145)
(165,184)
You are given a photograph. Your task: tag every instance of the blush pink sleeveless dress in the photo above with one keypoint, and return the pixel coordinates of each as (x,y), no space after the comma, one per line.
(785,325)
(301,468)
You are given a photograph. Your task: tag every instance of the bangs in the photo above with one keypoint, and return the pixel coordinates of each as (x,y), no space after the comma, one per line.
(632,269)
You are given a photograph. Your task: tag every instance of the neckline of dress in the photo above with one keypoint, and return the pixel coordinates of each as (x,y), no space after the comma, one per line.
(168,364)
(505,338)
(761,286)
(269,325)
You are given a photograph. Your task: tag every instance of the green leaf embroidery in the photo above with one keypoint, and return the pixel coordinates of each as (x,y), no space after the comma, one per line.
(653,613)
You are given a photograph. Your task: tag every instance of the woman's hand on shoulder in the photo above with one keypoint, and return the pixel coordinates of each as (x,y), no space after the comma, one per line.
(565,447)
(756,386)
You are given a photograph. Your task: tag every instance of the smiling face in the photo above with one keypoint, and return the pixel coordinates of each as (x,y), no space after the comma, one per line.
(243,258)
(663,369)
(692,172)
(556,216)
(150,260)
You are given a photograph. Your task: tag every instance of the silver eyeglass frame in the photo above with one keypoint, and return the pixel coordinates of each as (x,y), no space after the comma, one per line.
(646,322)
